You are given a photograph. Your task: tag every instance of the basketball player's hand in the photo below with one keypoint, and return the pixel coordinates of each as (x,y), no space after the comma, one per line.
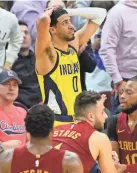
(115,157)
(11,144)
(49,10)
(121,168)
(44,18)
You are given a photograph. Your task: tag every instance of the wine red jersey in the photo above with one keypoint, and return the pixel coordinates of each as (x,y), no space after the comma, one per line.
(74,137)
(25,162)
(127,140)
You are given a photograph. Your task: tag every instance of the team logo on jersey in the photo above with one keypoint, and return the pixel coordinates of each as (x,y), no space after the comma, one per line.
(37,163)
(12,129)
(120,131)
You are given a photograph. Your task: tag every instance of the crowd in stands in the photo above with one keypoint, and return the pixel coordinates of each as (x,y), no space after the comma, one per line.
(105,62)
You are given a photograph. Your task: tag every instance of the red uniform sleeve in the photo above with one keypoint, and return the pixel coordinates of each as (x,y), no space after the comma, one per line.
(131,168)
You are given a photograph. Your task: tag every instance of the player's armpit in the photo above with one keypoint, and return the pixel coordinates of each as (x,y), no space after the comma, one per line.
(106,163)
(72,163)
(46,61)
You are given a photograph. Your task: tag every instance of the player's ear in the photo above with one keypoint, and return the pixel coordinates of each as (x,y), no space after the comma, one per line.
(90,117)
(52,30)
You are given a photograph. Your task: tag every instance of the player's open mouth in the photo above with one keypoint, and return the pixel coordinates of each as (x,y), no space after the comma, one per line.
(71,31)
(122,104)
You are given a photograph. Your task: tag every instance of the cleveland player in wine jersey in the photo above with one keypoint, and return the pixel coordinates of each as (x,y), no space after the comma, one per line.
(82,136)
(57,62)
(39,156)
(122,128)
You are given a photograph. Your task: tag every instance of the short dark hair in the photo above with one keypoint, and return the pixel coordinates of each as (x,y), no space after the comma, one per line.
(22,23)
(57,12)
(39,121)
(84,100)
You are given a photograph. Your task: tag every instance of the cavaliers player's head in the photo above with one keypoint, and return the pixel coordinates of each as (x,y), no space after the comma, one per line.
(39,121)
(89,106)
(61,27)
(128,97)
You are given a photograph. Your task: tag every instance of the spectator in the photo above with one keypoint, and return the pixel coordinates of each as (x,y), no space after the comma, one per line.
(24,66)
(12,129)
(28,12)
(119,45)
(9,33)
(99,80)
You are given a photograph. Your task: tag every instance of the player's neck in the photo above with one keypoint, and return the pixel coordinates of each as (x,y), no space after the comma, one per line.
(39,146)
(40,141)
(60,44)
(132,120)
(133,116)
(83,119)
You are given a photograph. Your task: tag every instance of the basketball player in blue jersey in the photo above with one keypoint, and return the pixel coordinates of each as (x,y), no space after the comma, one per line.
(57,62)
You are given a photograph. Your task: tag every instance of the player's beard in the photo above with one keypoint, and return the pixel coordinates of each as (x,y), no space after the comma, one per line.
(69,39)
(98,126)
(131,109)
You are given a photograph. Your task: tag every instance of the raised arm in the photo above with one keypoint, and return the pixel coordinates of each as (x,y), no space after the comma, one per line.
(72,163)
(101,150)
(44,50)
(95,15)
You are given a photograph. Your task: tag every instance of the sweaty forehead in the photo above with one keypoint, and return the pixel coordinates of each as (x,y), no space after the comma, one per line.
(63,17)
(131,85)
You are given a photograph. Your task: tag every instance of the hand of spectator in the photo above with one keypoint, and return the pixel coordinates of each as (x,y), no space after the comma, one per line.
(115,157)
(96,44)
(103,97)
(11,144)
(7,65)
(120,167)
(82,48)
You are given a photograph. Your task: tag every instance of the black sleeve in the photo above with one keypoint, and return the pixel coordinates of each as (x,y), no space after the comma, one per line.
(87,59)
(111,128)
